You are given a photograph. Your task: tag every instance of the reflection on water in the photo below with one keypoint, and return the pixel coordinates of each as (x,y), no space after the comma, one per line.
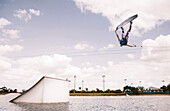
(100,103)
(120,103)
(5,105)
(43,107)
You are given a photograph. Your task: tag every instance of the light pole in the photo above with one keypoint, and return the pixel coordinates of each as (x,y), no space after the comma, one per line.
(82,84)
(125,81)
(140,83)
(163,82)
(103,82)
(75,82)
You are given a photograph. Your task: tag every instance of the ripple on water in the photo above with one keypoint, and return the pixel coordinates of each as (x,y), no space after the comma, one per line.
(99,103)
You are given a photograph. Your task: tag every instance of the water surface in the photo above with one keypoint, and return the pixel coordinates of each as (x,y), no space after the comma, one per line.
(93,103)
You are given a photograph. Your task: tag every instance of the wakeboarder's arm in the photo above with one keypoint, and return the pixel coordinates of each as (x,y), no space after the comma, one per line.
(117,36)
(131,45)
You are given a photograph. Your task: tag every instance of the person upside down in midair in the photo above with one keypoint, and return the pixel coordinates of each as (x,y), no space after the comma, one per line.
(124,40)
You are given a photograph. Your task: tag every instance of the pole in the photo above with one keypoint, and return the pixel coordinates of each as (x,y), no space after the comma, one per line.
(82,84)
(125,81)
(103,82)
(163,82)
(75,82)
(140,83)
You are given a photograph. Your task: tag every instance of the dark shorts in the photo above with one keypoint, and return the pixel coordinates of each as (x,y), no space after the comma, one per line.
(123,42)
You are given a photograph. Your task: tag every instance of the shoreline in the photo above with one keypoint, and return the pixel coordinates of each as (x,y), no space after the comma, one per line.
(105,94)
(4,93)
(114,94)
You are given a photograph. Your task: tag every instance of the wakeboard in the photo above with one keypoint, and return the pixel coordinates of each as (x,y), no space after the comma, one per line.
(127,21)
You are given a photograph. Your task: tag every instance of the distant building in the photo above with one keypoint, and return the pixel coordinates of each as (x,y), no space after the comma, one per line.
(127,90)
(151,89)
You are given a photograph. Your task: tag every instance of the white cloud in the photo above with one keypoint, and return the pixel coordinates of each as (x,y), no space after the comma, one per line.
(26,16)
(9,48)
(7,33)
(4,22)
(156,50)
(22,14)
(110,63)
(47,64)
(109,46)
(131,56)
(87,64)
(4,65)
(83,46)
(151,14)
(13,34)
(22,73)
(34,12)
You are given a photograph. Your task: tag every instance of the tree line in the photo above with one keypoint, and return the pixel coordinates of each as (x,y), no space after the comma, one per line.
(95,91)
(134,90)
(141,89)
(7,90)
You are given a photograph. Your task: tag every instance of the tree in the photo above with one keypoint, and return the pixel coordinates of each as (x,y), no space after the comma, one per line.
(129,88)
(118,91)
(72,91)
(4,89)
(126,87)
(133,88)
(159,90)
(163,88)
(97,90)
(79,88)
(87,89)
(83,91)
(15,90)
(10,90)
(23,91)
(7,90)
(108,90)
(141,88)
(135,91)
(168,88)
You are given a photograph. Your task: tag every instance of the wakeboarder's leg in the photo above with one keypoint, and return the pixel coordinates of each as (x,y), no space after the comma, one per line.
(117,36)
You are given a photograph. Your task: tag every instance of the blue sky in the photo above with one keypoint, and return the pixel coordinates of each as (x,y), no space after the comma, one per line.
(63,38)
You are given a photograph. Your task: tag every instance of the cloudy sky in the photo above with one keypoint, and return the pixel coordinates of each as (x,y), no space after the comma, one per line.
(63,38)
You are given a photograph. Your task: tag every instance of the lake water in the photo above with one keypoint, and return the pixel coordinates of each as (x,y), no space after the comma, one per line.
(93,103)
